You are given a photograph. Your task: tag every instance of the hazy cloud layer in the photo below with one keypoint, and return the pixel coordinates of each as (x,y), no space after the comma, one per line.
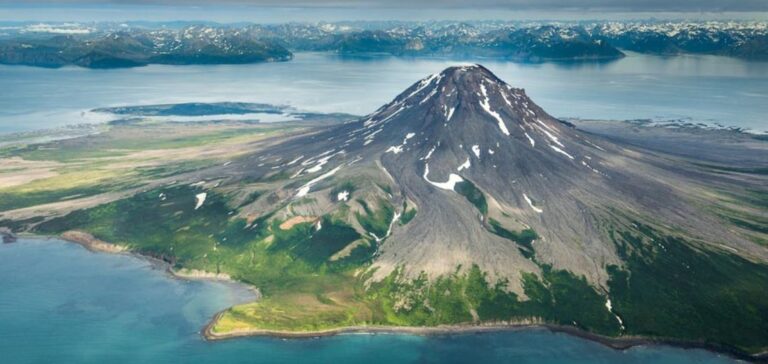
(603,5)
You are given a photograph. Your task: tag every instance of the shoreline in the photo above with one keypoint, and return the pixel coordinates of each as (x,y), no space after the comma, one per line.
(617,343)
(90,243)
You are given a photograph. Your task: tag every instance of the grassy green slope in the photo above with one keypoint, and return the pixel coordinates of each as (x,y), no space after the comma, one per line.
(666,288)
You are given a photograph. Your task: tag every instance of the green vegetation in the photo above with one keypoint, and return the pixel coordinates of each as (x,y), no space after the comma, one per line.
(473,195)
(666,289)
(16,199)
(670,289)
(162,222)
(566,299)
(376,222)
(454,298)
(407,215)
(123,140)
(524,238)
(313,246)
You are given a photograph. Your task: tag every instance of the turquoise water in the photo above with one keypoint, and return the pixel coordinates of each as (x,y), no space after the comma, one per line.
(703,88)
(60,303)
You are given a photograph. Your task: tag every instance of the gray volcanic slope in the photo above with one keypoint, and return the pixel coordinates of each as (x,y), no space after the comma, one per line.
(466,125)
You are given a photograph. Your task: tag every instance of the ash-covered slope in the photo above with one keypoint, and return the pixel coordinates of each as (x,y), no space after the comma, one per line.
(484,166)
(536,172)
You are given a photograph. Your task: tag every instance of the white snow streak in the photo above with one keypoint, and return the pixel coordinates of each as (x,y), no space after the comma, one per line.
(530,203)
(553,138)
(295,160)
(487,107)
(533,142)
(304,190)
(561,151)
(429,154)
(610,309)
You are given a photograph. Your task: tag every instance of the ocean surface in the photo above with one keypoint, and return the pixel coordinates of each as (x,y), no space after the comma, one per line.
(706,89)
(60,303)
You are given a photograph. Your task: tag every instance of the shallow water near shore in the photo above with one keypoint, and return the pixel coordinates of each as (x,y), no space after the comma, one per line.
(62,303)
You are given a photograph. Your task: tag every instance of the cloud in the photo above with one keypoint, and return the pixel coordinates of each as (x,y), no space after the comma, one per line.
(560,5)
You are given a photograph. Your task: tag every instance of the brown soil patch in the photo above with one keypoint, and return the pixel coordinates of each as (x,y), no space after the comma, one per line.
(287,224)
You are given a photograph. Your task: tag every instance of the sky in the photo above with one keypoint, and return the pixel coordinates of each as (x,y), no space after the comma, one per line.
(266,11)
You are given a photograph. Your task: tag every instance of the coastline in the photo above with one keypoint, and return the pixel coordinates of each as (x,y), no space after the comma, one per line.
(617,343)
(92,244)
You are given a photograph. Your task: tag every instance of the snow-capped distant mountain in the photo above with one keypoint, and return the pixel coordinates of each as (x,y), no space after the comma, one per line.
(743,40)
(120,45)
(133,47)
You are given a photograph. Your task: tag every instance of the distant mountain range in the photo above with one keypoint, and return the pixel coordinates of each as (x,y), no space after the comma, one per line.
(131,48)
(108,45)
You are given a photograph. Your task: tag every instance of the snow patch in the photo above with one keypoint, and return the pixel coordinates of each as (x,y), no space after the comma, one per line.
(424,83)
(476,150)
(453,179)
(395,149)
(399,148)
(200,199)
(464,165)
(530,203)
(317,167)
(342,196)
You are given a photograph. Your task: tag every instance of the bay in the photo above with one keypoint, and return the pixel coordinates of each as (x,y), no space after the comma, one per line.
(706,89)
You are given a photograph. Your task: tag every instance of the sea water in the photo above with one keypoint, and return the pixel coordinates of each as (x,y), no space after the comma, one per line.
(708,89)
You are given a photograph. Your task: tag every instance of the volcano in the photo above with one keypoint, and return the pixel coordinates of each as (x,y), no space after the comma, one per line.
(459,202)
(480,161)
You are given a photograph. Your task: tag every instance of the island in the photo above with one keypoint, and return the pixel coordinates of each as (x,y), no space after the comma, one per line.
(347,224)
